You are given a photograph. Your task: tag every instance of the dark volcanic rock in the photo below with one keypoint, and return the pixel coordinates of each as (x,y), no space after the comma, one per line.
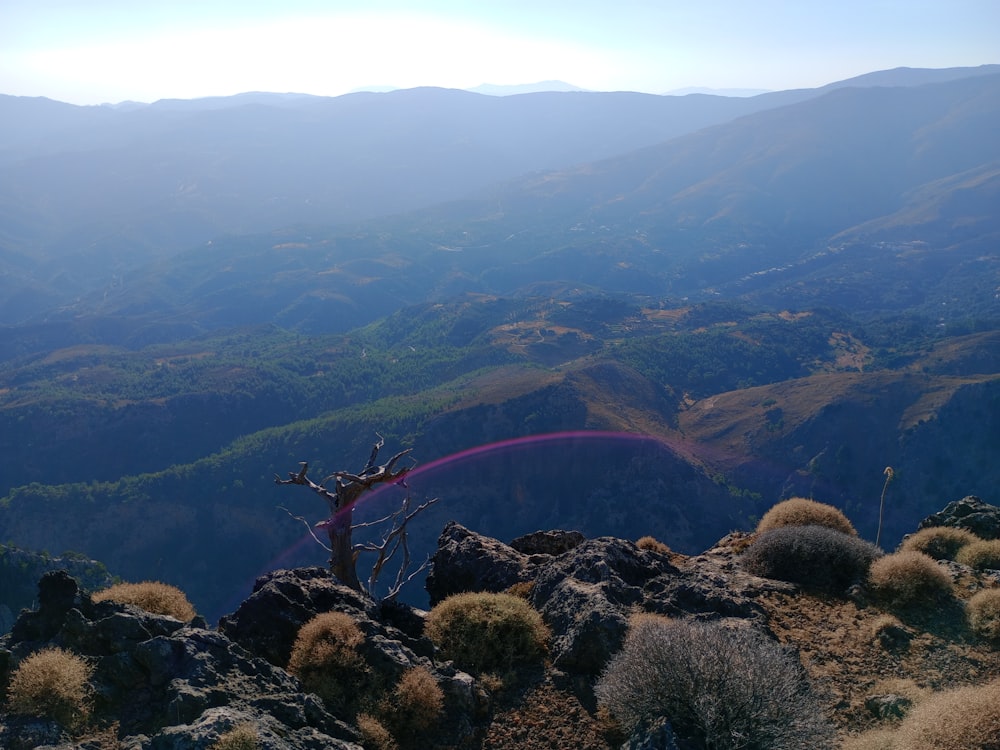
(587,590)
(172,686)
(282,602)
(548,542)
(466,561)
(159,679)
(586,595)
(969,513)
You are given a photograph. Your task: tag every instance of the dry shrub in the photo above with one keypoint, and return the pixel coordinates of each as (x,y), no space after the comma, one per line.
(965,718)
(980,555)
(484,632)
(817,557)
(653,545)
(983,613)
(416,704)
(907,578)
(52,683)
(374,735)
(325,658)
(874,739)
(152,596)
(721,687)
(521,589)
(939,542)
(800,511)
(241,737)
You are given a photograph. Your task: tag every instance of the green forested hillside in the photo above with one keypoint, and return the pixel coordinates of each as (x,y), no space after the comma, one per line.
(727,408)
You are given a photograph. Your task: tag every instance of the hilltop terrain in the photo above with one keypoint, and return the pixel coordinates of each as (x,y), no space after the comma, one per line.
(163,682)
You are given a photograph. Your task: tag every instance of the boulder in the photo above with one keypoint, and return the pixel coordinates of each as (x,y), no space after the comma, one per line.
(969,513)
(548,542)
(281,602)
(466,561)
(586,595)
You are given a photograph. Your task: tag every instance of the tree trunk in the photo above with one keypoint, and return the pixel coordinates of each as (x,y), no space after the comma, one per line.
(342,549)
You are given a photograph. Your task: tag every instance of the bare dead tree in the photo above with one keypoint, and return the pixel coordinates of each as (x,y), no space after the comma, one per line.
(339,527)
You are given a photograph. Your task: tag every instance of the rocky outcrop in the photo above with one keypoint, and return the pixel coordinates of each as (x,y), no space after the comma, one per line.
(167,684)
(587,589)
(969,513)
(20,570)
(466,561)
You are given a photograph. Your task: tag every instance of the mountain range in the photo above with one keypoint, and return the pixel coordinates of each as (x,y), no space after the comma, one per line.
(620,313)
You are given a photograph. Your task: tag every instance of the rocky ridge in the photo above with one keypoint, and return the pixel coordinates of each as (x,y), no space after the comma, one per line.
(160,684)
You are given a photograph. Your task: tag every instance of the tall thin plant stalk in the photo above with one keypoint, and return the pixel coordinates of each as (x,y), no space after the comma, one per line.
(889,474)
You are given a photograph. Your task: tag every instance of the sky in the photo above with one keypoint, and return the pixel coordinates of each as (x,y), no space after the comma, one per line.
(102,51)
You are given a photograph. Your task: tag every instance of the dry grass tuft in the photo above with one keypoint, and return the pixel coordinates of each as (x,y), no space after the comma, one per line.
(939,542)
(983,613)
(485,632)
(374,735)
(521,589)
(52,683)
(416,704)
(653,544)
(965,718)
(152,596)
(241,737)
(800,511)
(325,658)
(874,739)
(907,578)
(980,555)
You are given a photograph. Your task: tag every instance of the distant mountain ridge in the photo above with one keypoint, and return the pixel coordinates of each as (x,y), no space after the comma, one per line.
(853,195)
(89,193)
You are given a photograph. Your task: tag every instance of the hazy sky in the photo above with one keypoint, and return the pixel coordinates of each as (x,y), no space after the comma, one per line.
(113,50)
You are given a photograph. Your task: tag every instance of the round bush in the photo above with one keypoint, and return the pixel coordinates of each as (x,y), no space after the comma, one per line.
(484,632)
(939,542)
(983,613)
(817,557)
(800,511)
(980,555)
(721,687)
(52,683)
(908,577)
(416,704)
(152,596)
(966,718)
(325,658)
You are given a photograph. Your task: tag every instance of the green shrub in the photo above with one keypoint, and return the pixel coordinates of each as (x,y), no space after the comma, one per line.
(484,632)
(720,687)
(939,542)
(242,737)
(800,511)
(906,578)
(965,718)
(325,658)
(52,683)
(817,557)
(152,596)
(980,555)
(983,613)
